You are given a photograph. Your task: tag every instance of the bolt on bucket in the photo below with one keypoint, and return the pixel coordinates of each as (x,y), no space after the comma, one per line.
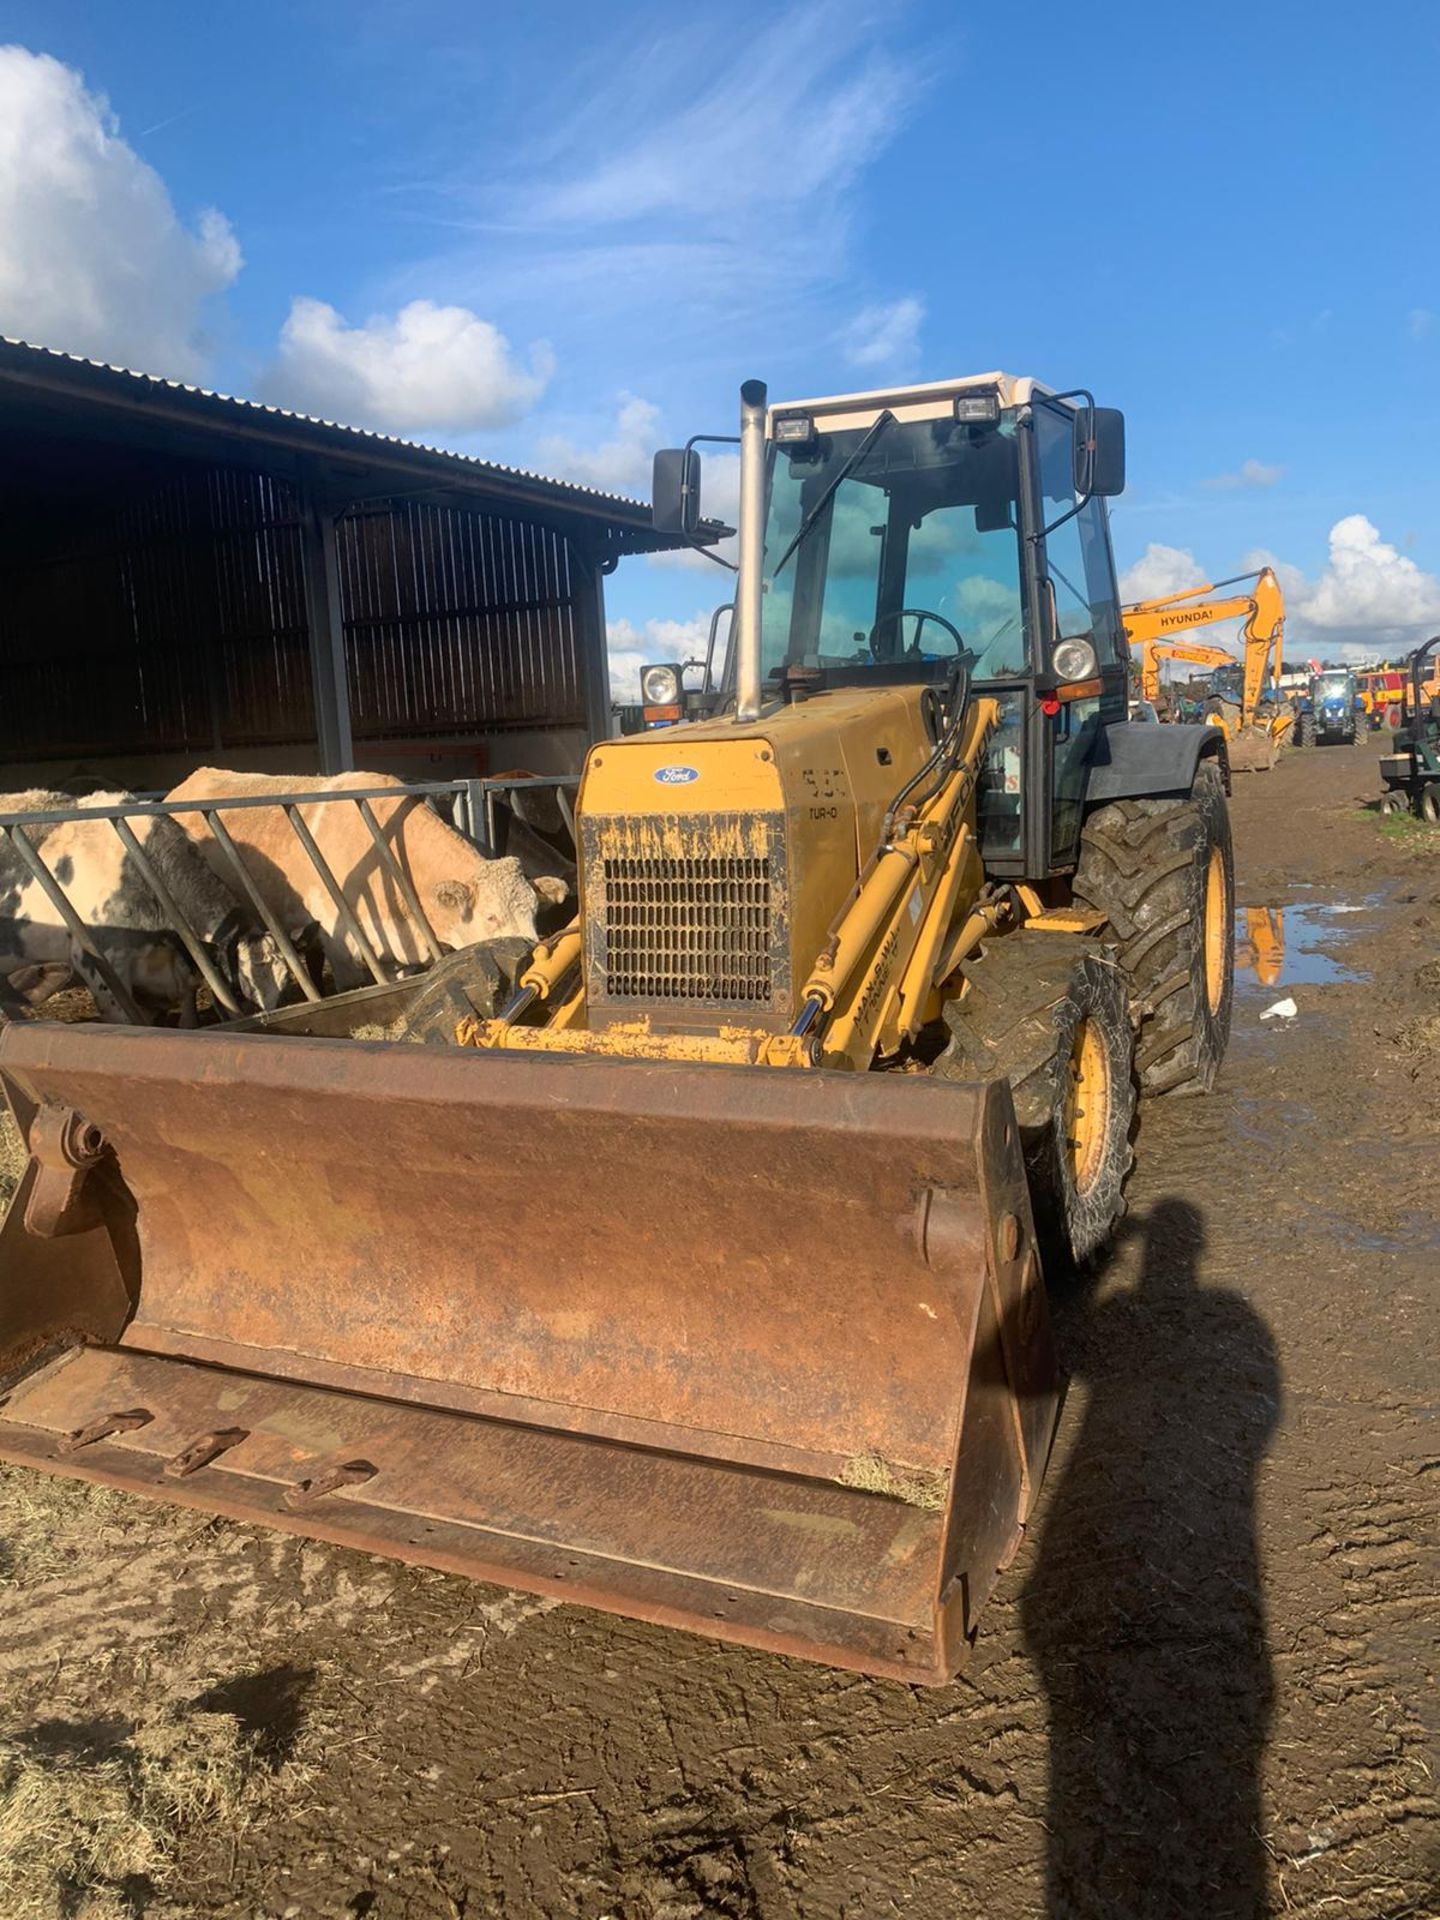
(759,1353)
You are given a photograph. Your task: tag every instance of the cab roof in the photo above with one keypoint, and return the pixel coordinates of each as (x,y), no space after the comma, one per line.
(931,400)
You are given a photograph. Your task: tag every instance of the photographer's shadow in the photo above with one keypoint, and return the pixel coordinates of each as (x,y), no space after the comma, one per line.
(1145,1613)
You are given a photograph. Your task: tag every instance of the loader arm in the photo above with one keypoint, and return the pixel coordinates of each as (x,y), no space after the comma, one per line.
(870,980)
(1262,609)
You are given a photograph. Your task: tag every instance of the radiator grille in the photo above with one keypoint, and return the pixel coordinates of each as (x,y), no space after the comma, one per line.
(696,929)
(686,915)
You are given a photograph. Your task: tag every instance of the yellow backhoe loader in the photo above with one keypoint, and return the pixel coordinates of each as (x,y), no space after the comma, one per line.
(1257,725)
(696,1273)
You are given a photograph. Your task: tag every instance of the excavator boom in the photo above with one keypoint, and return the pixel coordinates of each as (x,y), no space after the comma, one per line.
(1154,654)
(1151,622)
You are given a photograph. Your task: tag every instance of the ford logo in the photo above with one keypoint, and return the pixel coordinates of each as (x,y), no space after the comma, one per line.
(677,776)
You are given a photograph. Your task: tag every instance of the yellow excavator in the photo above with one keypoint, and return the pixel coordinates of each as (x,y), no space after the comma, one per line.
(1257,725)
(694,1273)
(1157,653)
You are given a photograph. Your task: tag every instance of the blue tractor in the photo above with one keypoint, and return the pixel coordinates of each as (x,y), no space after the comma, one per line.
(1330,711)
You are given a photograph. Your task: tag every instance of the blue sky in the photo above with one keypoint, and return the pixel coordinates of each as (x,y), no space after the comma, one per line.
(562,234)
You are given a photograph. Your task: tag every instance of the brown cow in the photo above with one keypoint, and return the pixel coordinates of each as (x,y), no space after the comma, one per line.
(466,896)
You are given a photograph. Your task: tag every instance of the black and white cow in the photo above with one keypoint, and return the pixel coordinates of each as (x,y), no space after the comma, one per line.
(125,919)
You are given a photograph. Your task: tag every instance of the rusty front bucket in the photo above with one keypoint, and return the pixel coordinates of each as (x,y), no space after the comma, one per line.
(756,1352)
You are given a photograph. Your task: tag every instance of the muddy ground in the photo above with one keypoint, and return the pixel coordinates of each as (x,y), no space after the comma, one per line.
(1206,1687)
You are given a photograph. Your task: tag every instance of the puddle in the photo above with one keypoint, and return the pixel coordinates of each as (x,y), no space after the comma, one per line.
(1288,946)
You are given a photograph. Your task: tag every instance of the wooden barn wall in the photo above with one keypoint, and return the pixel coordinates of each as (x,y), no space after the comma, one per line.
(453,617)
(178,624)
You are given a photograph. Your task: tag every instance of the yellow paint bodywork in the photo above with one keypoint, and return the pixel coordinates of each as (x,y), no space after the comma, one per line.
(872,931)
(816,766)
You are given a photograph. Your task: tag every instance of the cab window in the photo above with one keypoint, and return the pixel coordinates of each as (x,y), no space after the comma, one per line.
(1077,554)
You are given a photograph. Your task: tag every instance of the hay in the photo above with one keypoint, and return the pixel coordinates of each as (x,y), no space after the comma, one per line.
(397,1030)
(12,1155)
(48,1525)
(916,1486)
(1421,1038)
(86,1812)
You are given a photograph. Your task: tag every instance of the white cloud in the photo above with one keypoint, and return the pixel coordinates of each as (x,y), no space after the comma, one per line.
(1159,572)
(426,369)
(93,256)
(885,336)
(632,648)
(697,183)
(1370,599)
(732,145)
(620,464)
(1420,323)
(1252,473)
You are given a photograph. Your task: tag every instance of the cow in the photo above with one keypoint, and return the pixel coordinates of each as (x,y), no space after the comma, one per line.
(24,982)
(128,924)
(466,896)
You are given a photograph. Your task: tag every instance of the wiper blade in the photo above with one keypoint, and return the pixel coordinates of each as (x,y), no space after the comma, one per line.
(887,419)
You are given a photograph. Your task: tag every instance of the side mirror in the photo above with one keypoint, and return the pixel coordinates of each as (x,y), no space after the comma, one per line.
(675,491)
(1099,451)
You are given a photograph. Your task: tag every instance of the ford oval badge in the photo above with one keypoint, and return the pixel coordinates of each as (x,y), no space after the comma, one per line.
(677,776)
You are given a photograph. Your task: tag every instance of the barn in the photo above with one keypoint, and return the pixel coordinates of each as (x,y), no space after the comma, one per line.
(186,578)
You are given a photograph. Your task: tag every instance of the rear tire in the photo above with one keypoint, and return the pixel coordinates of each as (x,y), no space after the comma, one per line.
(1305,730)
(1049,1014)
(1163,874)
(1430,804)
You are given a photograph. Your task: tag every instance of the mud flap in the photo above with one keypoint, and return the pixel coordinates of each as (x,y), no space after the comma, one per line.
(760,1353)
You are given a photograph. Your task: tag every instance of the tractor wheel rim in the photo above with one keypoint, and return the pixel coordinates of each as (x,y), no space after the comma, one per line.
(1216,928)
(1087,1115)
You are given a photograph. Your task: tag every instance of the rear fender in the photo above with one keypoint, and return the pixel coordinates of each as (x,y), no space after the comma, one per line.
(1137,761)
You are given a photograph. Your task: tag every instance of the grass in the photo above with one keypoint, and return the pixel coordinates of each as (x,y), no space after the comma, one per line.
(1407,833)
(90,1815)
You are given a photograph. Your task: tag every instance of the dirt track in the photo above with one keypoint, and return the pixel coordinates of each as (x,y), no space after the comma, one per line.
(1202,1689)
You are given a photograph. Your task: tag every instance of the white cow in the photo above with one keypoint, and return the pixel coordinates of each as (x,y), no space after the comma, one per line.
(465,895)
(128,923)
(28,982)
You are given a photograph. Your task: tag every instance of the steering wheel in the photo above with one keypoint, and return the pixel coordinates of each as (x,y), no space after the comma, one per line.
(920,614)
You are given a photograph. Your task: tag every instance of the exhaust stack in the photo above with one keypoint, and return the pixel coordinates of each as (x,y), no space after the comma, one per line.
(750,585)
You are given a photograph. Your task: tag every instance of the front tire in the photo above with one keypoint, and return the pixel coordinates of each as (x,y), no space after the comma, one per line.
(1163,874)
(1049,1013)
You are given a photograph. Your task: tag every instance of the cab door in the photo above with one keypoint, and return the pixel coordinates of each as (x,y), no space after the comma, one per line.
(1078,600)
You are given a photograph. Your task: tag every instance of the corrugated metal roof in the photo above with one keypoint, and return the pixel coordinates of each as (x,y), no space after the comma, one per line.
(23,356)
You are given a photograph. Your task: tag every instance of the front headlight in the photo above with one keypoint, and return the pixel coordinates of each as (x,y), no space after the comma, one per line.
(660,686)
(1074,660)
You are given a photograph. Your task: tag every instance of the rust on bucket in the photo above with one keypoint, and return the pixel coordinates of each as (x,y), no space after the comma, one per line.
(758,1353)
